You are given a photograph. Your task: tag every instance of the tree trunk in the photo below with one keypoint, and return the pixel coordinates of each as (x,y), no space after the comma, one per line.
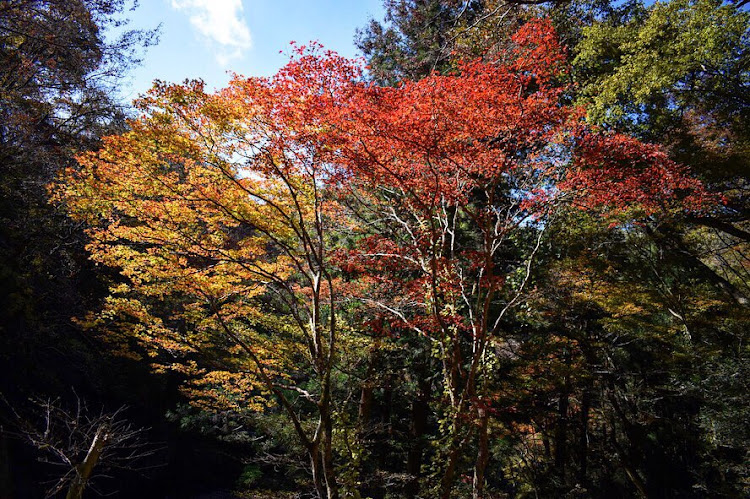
(446,483)
(86,468)
(483,453)
(328,469)
(317,470)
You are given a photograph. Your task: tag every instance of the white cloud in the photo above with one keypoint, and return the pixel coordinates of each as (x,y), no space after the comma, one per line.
(222,23)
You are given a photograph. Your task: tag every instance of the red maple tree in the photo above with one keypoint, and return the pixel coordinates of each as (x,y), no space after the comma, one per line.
(226,204)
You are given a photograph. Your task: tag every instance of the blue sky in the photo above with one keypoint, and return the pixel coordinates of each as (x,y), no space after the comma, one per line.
(206,38)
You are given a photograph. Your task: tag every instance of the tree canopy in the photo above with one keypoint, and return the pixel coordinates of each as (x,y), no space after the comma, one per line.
(505,258)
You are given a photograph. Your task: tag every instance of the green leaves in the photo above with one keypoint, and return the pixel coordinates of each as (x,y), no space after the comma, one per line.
(666,58)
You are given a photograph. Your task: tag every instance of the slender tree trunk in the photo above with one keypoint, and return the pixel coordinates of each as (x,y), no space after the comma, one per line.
(86,468)
(326,427)
(317,470)
(446,483)
(483,453)
(328,469)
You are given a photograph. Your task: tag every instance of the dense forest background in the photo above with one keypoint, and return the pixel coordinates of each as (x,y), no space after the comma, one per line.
(162,336)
